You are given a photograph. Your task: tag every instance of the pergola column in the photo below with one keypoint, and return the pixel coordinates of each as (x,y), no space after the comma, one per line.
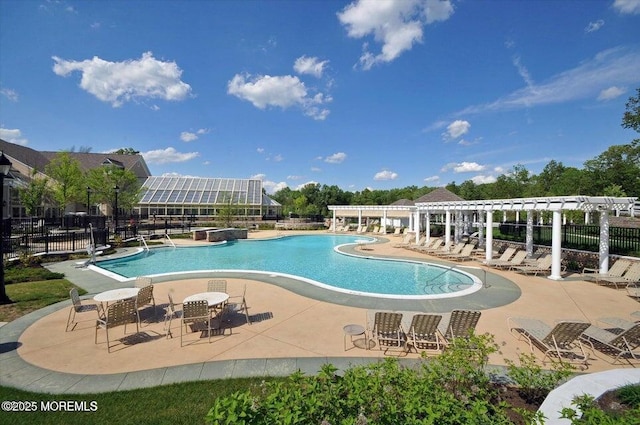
(556,246)
(359,217)
(529,235)
(411,225)
(447,227)
(480,229)
(384,222)
(416,223)
(427,228)
(334,221)
(604,242)
(489,247)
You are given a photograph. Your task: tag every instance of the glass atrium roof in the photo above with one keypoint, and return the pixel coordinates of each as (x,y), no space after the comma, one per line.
(199,190)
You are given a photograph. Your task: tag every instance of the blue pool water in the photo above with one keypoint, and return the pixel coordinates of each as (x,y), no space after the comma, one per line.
(312,258)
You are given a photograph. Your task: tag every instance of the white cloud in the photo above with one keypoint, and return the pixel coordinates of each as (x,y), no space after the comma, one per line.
(385,175)
(468,167)
(456,129)
(303,185)
(611,93)
(432,179)
(627,6)
(397,25)
(260,150)
(187,136)
(316,169)
(278,158)
(12,95)
(281,91)
(594,26)
(294,177)
(167,155)
(523,71)
(611,67)
(13,136)
(336,158)
(272,187)
(312,66)
(131,80)
(483,179)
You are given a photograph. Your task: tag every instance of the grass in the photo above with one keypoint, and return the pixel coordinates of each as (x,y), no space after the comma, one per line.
(175,404)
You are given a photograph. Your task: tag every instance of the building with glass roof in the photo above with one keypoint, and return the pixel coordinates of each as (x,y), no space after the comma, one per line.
(200,197)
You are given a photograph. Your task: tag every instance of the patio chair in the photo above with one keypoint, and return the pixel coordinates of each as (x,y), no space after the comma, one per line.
(144,298)
(518,259)
(170,313)
(195,313)
(458,324)
(387,330)
(630,276)
(542,265)
(615,271)
(217,285)
(142,281)
(616,345)
(561,341)
(118,314)
(78,307)
(238,304)
(504,257)
(423,332)
(633,290)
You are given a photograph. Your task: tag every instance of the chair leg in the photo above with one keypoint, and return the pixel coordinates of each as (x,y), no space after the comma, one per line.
(71,319)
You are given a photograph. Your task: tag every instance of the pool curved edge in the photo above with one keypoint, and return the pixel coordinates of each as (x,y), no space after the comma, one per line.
(206,273)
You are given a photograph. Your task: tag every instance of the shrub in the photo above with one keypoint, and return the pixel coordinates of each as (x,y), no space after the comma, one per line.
(534,382)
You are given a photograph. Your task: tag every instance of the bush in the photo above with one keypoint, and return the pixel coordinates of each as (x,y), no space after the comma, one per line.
(534,382)
(450,389)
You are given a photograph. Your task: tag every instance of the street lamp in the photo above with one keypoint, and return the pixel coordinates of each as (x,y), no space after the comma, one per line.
(5,166)
(115,211)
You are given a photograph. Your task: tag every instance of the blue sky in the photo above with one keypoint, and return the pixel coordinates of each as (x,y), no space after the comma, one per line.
(364,94)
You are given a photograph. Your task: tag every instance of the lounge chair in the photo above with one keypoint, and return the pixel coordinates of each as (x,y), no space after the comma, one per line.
(77,307)
(397,231)
(633,290)
(458,324)
(616,270)
(423,332)
(631,276)
(518,259)
(195,313)
(430,245)
(118,314)
(456,249)
(617,346)
(440,247)
(543,265)
(561,341)
(466,254)
(421,242)
(406,241)
(504,257)
(387,330)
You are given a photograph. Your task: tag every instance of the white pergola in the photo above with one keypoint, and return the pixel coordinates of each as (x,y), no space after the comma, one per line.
(556,204)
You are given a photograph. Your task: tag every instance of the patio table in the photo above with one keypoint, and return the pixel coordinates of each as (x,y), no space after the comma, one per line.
(213,299)
(114,295)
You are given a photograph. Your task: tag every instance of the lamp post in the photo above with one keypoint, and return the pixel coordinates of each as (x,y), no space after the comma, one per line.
(88,201)
(115,210)
(5,166)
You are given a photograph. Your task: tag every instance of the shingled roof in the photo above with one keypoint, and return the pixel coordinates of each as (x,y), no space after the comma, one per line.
(439,195)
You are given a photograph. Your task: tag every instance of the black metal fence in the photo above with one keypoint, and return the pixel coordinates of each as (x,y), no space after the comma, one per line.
(622,240)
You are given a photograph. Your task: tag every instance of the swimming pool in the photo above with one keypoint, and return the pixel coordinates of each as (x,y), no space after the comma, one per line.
(315,259)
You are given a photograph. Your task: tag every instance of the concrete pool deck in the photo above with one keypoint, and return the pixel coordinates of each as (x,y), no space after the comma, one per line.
(295,326)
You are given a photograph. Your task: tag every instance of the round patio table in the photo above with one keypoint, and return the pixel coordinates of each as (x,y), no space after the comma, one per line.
(114,295)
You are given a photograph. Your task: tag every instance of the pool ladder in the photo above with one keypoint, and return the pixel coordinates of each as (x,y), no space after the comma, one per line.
(143,242)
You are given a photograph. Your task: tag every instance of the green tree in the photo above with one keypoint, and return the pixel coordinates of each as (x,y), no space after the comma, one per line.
(631,117)
(68,179)
(103,181)
(618,165)
(34,194)
(126,151)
